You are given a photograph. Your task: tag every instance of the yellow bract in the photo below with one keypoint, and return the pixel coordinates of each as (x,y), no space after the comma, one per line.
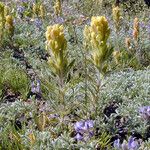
(99,26)
(136,29)
(116,55)
(9,25)
(86,33)
(96,35)
(55,38)
(6,10)
(38,10)
(116,14)
(42,11)
(32,138)
(57,7)
(136,24)
(2,20)
(56,46)
(9,20)
(128,42)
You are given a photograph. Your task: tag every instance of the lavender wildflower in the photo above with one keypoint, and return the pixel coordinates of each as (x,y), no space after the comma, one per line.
(20,9)
(35,88)
(84,129)
(24,1)
(145,112)
(79,126)
(59,20)
(116,144)
(79,137)
(38,23)
(89,124)
(132,144)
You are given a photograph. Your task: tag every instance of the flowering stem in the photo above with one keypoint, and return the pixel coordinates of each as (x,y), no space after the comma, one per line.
(61,88)
(98,88)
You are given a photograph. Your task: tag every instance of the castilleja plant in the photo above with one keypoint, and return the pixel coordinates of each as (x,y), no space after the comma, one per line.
(6,11)
(2,21)
(97,35)
(136,38)
(9,25)
(136,30)
(56,45)
(42,11)
(38,10)
(116,12)
(57,8)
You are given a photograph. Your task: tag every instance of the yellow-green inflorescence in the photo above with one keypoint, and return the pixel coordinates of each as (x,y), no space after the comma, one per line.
(9,25)
(38,10)
(57,8)
(2,20)
(56,46)
(136,29)
(42,11)
(6,11)
(97,35)
(116,11)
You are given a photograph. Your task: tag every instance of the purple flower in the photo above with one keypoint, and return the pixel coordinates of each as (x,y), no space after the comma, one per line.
(79,137)
(148,28)
(117,144)
(142,24)
(148,111)
(59,20)
(84,125)
(145,112)
(20,9)
(35,88)
(89,124)
(79,126)
(54,116)
(24,1)
(132,144)
(38,23)
(84,128)
(91,134)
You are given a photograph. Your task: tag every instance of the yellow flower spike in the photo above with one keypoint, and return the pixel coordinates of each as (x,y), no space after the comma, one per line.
(42,11)
(9,20)
(116,14)
(128,42)
(136,24)
(41,121)
(100,26)
(32,138)
(6,10)
(35,10)
(57,8)
(2,20)
(135,34)
(55,34)
(9,25)
(116,55)
(56,47)
(136,29)
(97,34)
